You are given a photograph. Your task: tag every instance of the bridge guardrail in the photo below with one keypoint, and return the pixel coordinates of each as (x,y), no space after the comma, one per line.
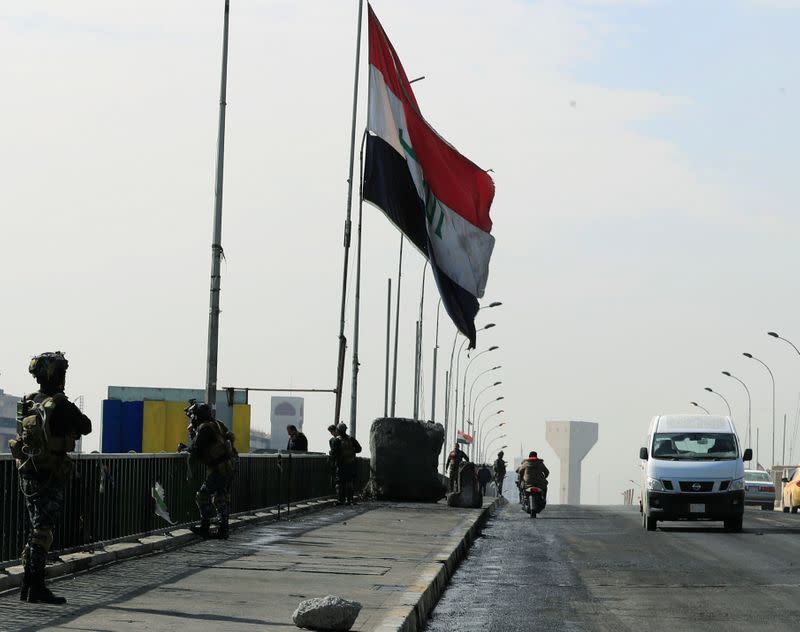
(110,495)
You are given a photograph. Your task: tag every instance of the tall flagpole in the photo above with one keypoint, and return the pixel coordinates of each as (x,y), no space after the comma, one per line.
(216,244)
(388,348)
(357,317)
(397,328)
(347,225)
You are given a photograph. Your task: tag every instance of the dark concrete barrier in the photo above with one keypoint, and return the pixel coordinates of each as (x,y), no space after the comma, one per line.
(405,457)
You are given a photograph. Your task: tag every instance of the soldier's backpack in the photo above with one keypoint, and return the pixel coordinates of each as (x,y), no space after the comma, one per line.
(212,443)
(347,451)
(36,448)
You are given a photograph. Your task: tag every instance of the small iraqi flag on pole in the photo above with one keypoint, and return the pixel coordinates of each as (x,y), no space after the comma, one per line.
(438,198)
(463,437)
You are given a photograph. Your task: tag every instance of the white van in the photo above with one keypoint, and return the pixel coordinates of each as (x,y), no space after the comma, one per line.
(693,469)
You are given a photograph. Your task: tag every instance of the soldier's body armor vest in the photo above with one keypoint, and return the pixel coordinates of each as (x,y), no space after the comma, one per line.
(213,445)
(37,449)
(347,451)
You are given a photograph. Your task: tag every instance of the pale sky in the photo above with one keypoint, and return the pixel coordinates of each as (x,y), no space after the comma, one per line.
(643,153)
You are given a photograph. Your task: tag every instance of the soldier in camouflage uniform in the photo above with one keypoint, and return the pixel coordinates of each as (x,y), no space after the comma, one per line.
(48,425)
(211,443)
(343,452)
(454,460)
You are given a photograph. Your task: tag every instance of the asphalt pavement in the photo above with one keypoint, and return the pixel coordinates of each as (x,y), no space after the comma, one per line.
(592,568)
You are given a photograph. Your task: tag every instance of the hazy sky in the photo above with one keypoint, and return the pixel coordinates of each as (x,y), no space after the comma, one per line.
(644,157)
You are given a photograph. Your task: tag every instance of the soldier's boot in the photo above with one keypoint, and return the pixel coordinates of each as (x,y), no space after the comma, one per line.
(39,593)
(224,530)
(24,589)
(202,529)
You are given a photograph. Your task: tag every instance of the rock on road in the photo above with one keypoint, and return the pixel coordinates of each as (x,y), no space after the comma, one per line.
(584,568)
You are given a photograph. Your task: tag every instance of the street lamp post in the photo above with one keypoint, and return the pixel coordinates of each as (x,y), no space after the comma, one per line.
(749,406)
(772,376)
(478,396)
(779,337)
(480,422)
(783,452)
(464,385)
(435,358)
(458,368)
(470,401)
(493,441)
(703,408)
(711,390)
(483,454)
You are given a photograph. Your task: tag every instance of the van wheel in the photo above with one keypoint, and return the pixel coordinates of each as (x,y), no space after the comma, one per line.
(794,509)
(650,523)
(785,509)
(734,525)
(767,507)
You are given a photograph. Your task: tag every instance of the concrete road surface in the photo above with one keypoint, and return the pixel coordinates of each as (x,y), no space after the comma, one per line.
(581,569)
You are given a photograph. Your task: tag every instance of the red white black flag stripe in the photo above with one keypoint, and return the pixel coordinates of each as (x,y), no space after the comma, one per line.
(436,196)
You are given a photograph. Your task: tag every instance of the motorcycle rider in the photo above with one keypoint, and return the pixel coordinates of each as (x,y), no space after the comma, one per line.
(533,472)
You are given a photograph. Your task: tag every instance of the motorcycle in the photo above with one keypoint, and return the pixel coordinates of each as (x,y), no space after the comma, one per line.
(533,500)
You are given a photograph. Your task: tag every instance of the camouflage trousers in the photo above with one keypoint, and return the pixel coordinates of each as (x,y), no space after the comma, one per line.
(345,481)
(44,502)
(214,496)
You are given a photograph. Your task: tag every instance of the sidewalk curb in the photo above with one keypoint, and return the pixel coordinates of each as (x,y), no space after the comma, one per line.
(101,555)
(423,597)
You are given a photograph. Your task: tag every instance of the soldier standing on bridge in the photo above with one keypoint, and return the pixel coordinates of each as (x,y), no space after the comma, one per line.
(499,468)
(211,443)
(454,461)
(343,451)
(48,425)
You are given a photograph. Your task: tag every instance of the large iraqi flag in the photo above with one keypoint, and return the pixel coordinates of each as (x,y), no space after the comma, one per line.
(436,196)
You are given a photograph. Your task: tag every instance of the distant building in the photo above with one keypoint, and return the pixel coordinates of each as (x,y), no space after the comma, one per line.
(8,419)
(153,419)
(259,441)
(284,411)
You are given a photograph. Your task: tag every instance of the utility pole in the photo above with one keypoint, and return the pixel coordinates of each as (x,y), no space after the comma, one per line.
(216,243)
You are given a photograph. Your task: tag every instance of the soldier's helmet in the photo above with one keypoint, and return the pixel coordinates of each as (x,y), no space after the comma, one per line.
(199,411)
(500,454)
(47,366)
(342,428)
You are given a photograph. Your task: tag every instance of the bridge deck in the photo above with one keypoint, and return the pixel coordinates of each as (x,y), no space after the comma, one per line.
(382,555)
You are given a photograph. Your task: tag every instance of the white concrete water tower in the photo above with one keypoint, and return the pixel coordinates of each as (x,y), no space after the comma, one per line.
(571,441)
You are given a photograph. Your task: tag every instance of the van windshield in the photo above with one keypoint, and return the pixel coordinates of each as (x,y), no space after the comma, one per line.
(694,446)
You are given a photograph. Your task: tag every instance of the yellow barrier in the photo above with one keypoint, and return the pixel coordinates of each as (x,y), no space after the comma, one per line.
(153,426)
(241,427)
(175,424)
